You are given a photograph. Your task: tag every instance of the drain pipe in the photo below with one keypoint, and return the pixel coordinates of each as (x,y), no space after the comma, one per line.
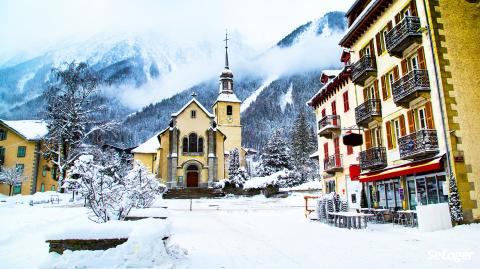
(440,93)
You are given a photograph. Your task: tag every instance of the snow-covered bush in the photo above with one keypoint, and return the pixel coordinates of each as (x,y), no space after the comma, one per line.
(142,186)
(111,190)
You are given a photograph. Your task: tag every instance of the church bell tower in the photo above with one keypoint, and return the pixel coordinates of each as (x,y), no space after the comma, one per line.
(227,107)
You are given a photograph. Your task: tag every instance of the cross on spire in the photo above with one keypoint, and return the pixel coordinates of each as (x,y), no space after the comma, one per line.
(194,94)
(226,49)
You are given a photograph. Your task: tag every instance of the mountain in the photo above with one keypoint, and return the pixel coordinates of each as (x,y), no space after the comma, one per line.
(131,67)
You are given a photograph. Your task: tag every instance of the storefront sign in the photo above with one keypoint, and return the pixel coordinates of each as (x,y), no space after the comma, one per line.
(459,159)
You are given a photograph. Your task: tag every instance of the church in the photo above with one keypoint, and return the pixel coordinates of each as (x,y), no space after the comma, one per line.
(193,151)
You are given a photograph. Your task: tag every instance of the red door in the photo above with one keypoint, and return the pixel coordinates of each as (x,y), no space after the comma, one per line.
(192,179)
(334,112)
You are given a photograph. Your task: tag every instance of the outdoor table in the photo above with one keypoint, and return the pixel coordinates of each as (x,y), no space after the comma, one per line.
(349,219)
(408,214)
(380,211)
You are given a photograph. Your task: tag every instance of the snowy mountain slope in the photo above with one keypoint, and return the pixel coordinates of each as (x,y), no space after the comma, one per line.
(273,85)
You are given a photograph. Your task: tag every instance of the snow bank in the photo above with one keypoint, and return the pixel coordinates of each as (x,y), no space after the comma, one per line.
(37,198)
(144,249)
(148,212)
(312,185)
(92,230)
(262,182)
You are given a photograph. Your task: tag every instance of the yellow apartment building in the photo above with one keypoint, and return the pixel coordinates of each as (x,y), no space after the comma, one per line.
(20,145)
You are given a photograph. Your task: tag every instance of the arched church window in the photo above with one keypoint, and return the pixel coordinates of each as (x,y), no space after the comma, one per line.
(185,144)
(192,142)
(229,110)
(200,144)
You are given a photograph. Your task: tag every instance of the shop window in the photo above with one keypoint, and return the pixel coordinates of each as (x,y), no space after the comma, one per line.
(229,110)
(21,151)
(42,187)
(3,134)
(193,114)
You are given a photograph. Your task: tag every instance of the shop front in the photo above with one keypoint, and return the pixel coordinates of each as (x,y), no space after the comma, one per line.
(406,186)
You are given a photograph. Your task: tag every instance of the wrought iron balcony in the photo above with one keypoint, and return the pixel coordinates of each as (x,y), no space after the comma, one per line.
(369,111)
(418,145)
(403,35)
(373,158)
(363,69)
(333,163)
(410,86)
(329,125)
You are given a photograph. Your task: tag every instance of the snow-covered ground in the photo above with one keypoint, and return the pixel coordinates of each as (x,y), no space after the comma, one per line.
(250,233)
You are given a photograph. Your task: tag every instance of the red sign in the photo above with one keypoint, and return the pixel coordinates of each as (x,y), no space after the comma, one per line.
(354,170)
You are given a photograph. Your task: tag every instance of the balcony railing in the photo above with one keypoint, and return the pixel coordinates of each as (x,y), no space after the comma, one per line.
(363,69)
(373,158)
(368,111)
(329,125)
(410,86)
(418,145)
(403,35)
(333,163)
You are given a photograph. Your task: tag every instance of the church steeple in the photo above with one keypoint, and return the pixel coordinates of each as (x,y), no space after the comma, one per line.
(226,78)
(226,50)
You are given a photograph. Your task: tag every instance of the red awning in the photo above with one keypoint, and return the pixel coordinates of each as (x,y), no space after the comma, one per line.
(402,170)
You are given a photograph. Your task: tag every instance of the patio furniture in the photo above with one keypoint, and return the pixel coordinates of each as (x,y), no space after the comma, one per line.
(349,219)
(308,210)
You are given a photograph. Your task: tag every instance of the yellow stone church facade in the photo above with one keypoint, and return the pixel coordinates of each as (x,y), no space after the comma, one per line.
(193,150)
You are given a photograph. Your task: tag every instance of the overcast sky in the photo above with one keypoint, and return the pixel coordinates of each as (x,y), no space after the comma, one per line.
(32,24)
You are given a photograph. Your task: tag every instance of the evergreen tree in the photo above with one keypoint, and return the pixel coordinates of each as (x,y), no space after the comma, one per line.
(233,164)
(275,156)
(456,212)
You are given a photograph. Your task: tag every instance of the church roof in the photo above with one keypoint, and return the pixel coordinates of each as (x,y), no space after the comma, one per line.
(149,146)
(196,102)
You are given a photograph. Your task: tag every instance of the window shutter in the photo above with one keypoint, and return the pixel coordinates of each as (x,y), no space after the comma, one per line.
(368,139)
(324,113)
(325,150)
(421,58)
(398,18)
(375,86)
(365,94)
(334,108)
(372,51)
(349,150)
(411,121)
(413,8)
(384,88)
(389,135)
(379,45)
(361,53)
(389,26)
(429,115)
(336,142)
(395,73)
(404,67)
(403,130)
(346,105)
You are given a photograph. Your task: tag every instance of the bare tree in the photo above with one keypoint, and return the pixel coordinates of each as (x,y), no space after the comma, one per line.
(70,116)
(12,177)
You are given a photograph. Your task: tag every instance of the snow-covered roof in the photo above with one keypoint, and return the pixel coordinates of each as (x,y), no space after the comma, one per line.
(331,73)
(228,97)
(359,19)
(149,146)
(29,129)
(196,102)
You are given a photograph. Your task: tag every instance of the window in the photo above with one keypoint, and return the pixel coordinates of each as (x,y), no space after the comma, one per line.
(413,63)
(390,81)
(52,188)
(2,155)
(383,43)
(17,189)
(44,171)
(371,92)
(20,167)
(193,114)
(229,110)
(346,105)
(3,134)
(396,132)
(21,151)
(54,173)
(42,187)
(192,142)
(376,137)
(330,186)
(422,119)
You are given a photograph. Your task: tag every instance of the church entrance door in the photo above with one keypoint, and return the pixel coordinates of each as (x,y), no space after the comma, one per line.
(192,176)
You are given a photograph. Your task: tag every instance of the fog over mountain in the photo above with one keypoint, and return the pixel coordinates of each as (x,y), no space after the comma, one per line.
(144,79)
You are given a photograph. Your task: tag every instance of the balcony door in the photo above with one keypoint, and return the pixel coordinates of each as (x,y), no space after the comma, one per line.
(334,112)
